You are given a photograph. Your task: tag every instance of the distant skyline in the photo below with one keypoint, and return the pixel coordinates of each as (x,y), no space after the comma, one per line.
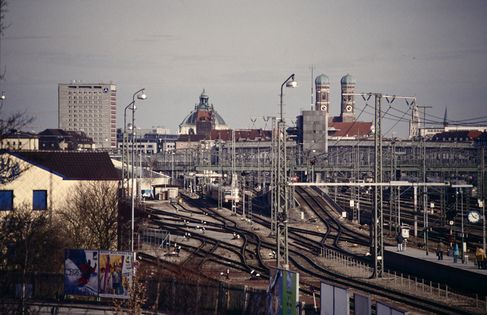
(241,52)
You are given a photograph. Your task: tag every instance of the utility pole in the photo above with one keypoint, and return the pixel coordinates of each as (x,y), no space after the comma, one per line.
(392,177)
(356,209)
(463,231)
(273,183)
(425,188)
(234,184)
(482,176)
(282,190)
(376,230)
(282,194)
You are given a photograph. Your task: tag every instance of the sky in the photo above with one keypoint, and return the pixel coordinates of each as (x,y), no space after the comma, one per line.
(242,51)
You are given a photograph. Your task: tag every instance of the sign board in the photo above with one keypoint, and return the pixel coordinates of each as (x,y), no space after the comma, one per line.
(334,300)
(384,309)
(362,304)
(97,273)
(283,293)
(352,203)
(115,277)
(405,232)
(81,272)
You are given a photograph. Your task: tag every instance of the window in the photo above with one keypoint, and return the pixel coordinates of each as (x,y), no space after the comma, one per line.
(39,200)
(6,199)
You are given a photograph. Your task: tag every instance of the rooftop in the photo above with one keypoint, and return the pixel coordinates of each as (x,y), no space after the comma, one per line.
(72,165)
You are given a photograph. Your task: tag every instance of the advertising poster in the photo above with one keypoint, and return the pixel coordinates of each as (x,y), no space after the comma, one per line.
(282,294)
(115,275)
(81,272)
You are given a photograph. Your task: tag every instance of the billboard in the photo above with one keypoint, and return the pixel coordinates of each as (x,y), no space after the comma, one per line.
(282,294)
(115,276)
(81,272)
(334,300)
(384,309)
(97,273)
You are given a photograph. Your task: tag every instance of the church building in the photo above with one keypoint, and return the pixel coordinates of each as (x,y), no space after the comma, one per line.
(202,119)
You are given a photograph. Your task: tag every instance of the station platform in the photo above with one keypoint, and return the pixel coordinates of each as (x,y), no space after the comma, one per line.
(463,276)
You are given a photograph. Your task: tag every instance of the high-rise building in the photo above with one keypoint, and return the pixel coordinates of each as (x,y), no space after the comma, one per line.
(91,108)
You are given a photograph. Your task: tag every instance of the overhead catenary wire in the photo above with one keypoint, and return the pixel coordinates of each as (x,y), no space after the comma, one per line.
(386,115)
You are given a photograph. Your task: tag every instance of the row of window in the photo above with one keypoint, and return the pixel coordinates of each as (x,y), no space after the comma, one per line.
(84,97)
(83,92)
(83,102)
(39,199)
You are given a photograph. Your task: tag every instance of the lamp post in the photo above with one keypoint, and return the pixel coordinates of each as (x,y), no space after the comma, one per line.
(288,83)
(281,196)
(172,168)
(461,202)
(141,96)
(124,149)
(482,205)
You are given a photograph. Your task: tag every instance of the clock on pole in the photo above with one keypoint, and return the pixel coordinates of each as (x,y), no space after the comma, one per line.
(473,216)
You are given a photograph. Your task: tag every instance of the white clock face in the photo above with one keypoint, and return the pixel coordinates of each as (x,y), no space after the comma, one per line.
(323,108)
(348,108)
(473,217)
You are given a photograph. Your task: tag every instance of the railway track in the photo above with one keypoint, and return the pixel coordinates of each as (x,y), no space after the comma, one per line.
(438,230)
(303,250)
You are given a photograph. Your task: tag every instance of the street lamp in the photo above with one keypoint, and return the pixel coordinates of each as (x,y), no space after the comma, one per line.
(141,96)
(290,83)
(281,197)
(124,146)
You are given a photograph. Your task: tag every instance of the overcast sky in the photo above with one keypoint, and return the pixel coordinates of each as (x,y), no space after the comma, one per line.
(241,52)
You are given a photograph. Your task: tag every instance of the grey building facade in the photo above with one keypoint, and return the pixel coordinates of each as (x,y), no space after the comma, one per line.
(313,130)
(90,108)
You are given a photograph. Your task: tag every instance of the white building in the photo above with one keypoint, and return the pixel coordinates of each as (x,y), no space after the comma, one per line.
(42,180)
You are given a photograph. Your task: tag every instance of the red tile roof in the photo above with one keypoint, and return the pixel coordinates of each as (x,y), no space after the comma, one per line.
(457,135)
(349,129)
(242,135)
(72,165)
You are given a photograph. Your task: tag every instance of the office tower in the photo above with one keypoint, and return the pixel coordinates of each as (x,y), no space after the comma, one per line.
(91,108)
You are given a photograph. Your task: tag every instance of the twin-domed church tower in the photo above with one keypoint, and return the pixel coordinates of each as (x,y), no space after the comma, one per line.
(322,100)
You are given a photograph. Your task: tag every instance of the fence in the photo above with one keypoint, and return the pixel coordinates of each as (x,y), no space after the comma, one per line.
(168,294)
(402,283)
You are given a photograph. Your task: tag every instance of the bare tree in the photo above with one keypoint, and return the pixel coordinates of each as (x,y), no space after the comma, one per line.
(91,215)
(3,26)
(31,241)
(136,298)
(9,169)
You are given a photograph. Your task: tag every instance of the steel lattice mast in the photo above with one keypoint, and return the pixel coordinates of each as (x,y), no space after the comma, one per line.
(377,227)
(378,231)
(281,191)
(273,189)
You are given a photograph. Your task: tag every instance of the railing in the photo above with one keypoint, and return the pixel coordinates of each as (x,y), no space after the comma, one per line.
(347,265)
